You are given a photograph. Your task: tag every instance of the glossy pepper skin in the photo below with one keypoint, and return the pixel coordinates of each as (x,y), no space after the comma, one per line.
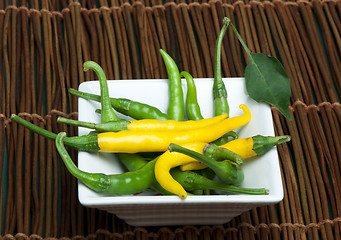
(118,184)
(127,107)
(145,124)
(176,108)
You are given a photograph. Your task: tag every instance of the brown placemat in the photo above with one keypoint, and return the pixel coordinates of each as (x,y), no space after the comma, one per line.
(42,51)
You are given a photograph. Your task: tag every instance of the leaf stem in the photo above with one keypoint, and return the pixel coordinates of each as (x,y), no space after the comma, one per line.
(247,50)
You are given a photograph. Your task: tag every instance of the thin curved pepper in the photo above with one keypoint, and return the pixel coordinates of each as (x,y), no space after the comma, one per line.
(108,114)
(169,160)
(245,147)
(176,108)
(127,107)
(143,141)
(192,106)
(118,184)
(145,124)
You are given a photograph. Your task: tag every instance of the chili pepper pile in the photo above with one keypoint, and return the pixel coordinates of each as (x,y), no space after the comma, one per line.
(194,156)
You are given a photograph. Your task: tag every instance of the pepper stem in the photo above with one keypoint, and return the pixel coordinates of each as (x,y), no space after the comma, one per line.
(108,114)
(262,144)
(33,128)
(247,50)
(101,127)
(83,143)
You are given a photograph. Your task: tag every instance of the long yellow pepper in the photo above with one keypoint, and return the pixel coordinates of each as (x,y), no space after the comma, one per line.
(172,125)
(146,124)
(158,141)
(169,160)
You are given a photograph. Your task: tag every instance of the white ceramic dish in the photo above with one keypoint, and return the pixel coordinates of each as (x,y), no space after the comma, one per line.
(149,210)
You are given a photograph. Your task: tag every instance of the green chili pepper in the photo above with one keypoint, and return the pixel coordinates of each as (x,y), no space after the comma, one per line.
(190,180)
(227,171)
(176,99)
(192,106)
(127,107)
(219,90)
(108,114)
(119,184)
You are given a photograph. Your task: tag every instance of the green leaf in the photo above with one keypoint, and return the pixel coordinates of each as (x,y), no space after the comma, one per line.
(267,81)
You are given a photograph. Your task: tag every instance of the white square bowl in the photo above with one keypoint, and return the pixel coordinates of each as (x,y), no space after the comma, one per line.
(148,209)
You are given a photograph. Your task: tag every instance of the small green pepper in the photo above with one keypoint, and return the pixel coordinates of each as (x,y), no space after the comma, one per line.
(127,107)
(192,106)
(176,108)
(219,90)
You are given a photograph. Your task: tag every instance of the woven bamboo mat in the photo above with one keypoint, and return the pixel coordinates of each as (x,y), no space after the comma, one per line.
(43,46)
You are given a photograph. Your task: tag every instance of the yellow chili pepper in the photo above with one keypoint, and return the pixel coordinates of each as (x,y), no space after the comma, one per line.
(169,160)
(245,148)
(158,141)
(172,125)
(145,124)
